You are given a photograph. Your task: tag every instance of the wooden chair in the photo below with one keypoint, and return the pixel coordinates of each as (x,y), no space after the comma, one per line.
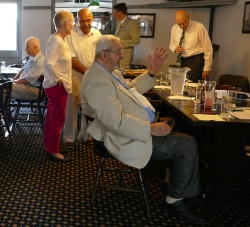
(36,107)
(103,154)
(5,114)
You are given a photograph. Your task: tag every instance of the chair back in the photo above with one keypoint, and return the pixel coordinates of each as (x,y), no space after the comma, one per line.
(5,94)
(237,82)
(41,94)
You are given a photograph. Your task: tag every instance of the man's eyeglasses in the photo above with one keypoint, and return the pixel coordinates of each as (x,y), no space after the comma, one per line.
(116,52)
(183,24)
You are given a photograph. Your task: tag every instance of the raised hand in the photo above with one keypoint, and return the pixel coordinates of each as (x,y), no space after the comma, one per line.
(156,59)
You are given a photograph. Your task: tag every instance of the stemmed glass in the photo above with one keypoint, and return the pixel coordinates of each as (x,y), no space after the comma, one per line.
(198,91)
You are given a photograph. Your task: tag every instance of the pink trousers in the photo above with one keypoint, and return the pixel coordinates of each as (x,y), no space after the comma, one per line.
(57,98)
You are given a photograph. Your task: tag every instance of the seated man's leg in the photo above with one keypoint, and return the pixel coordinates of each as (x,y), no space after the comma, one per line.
(24,91)
(181,149)
(83,134)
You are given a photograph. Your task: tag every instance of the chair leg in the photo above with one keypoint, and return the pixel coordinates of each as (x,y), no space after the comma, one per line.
(144,192)
(40,112)
(98,175)
(7,124)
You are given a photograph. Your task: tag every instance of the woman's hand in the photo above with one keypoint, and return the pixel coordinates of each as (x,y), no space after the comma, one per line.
(59,83)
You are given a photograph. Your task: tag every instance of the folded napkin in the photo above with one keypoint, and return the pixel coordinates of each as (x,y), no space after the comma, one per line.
(135,71)
(209,117)
(193,85)
(180,97)
(243,115)
(161,87)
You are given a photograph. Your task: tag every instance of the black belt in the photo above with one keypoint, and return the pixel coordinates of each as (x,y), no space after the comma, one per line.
(193,56)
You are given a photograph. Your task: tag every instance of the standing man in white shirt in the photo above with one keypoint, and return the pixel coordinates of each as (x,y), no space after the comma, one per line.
(82,44)
(196,48)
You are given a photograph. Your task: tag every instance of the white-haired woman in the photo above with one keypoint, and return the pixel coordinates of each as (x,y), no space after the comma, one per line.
(57,82)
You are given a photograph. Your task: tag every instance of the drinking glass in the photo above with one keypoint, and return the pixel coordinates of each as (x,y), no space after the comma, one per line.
(162,79)
(228,103)
(209,100)
(178,78)
(198,90)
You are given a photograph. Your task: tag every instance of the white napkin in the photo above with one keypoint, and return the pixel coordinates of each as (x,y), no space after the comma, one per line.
(243,115)
(209,117)
(161,87)
(192,84)
(180,97)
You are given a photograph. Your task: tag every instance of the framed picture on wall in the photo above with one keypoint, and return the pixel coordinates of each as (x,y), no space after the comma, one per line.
(146,23)
(246,19)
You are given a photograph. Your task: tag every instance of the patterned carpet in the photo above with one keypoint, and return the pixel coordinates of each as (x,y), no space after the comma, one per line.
(35,191)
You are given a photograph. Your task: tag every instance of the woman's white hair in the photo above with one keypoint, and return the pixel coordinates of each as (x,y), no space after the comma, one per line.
(105,42)
(61,17)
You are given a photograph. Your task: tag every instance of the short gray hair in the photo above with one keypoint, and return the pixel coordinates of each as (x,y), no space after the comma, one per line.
(105,42)
(62,16)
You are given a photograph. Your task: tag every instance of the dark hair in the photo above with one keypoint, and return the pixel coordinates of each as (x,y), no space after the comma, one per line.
(107,14)
(121,7)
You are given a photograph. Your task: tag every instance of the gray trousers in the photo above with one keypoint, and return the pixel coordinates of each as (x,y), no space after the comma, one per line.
(71,120)
(181,150)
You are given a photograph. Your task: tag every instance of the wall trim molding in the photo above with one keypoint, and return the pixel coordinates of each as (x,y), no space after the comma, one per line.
(185,4)
(36,7)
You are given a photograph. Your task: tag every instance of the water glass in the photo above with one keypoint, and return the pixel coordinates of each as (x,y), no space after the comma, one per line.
(228,103)
(177,80)
(162,79)
(198,90)
(168,77)
(209,100)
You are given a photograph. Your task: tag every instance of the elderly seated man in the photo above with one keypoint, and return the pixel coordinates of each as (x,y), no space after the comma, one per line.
(26,82)
(124,121)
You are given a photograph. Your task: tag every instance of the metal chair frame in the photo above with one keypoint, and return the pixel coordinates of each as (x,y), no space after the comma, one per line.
(101,151)
(5,97)
(40,104)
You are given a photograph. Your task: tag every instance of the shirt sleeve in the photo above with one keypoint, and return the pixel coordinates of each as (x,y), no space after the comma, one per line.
(53,54)
(34,72)
(207,48)
(69,39)
(172,45)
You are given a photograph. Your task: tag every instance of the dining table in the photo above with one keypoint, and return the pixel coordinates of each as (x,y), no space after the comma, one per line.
(9,72)
(221,141)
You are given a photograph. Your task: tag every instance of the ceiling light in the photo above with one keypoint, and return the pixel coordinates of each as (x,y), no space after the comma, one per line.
(94,4)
